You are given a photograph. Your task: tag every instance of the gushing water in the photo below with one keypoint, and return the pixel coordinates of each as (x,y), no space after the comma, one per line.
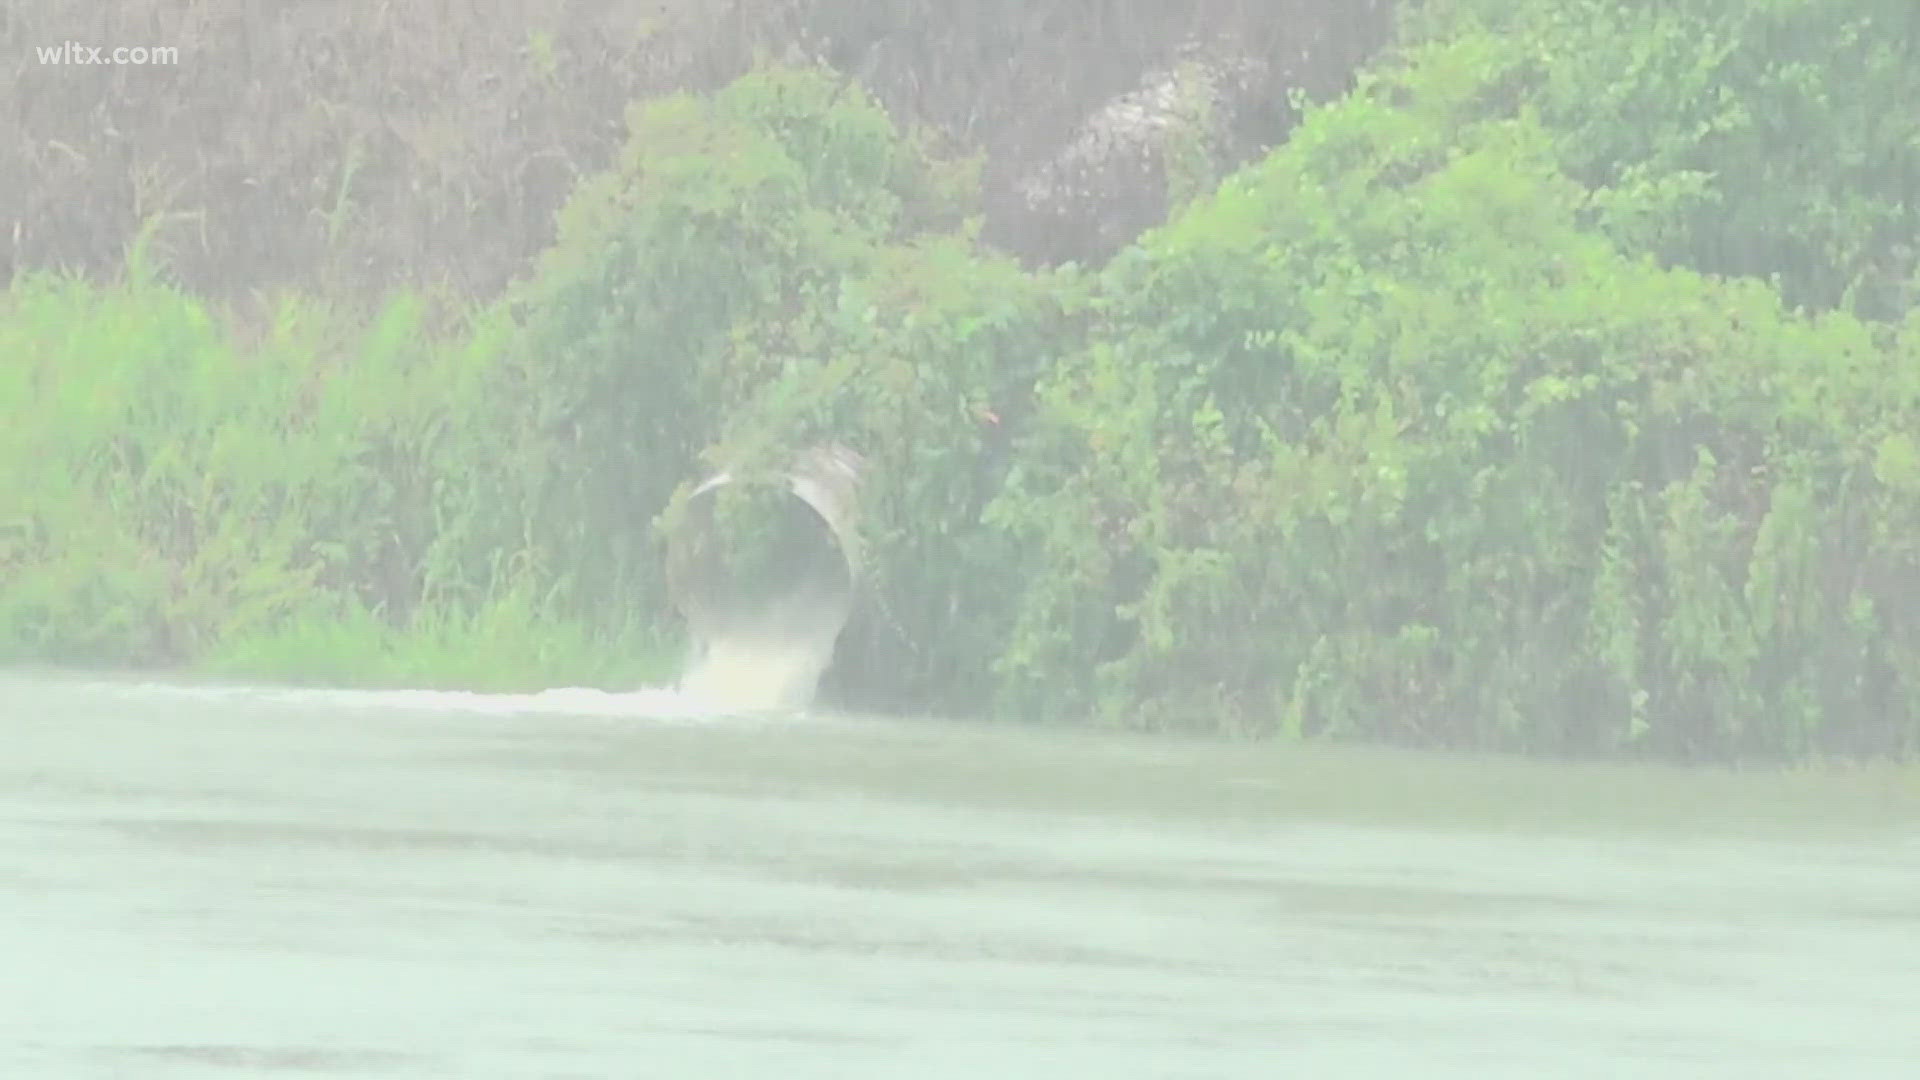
(765,573)
(768,657)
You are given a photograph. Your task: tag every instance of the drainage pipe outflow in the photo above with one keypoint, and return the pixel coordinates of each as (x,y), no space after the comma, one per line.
(803,534)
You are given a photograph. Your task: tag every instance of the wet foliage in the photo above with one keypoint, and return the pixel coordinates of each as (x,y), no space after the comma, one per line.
(1512,401)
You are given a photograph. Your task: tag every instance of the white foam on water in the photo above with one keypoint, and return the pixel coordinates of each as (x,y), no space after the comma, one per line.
(650,702)
(769,656)
(757,672)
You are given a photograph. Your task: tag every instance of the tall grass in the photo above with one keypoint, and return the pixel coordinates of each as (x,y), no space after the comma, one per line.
(307,494)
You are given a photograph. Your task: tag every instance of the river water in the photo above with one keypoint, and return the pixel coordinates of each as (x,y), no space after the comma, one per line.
(201,881)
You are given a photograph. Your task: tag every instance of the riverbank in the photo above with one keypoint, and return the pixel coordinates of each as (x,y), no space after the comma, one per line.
(500,650)
(1427,426)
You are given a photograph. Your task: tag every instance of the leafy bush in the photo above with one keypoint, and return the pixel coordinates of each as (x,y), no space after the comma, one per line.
(659,309)
(1382,440)
(1738,138)
(776,268)
(924,363)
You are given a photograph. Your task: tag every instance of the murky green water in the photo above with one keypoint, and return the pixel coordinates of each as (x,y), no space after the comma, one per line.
(224,883)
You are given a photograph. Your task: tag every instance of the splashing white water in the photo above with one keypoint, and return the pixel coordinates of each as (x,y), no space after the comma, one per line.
(651,702)
(770,661)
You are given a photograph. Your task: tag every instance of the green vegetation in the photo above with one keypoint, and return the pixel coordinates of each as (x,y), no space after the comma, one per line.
(1752,139)
(1452,466)
(1557,389)
(302,498)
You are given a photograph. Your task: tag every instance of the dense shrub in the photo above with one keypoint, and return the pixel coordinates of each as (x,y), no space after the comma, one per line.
(1382,440)
(777,267)
(1741,138)
(672,297)
(924,363)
